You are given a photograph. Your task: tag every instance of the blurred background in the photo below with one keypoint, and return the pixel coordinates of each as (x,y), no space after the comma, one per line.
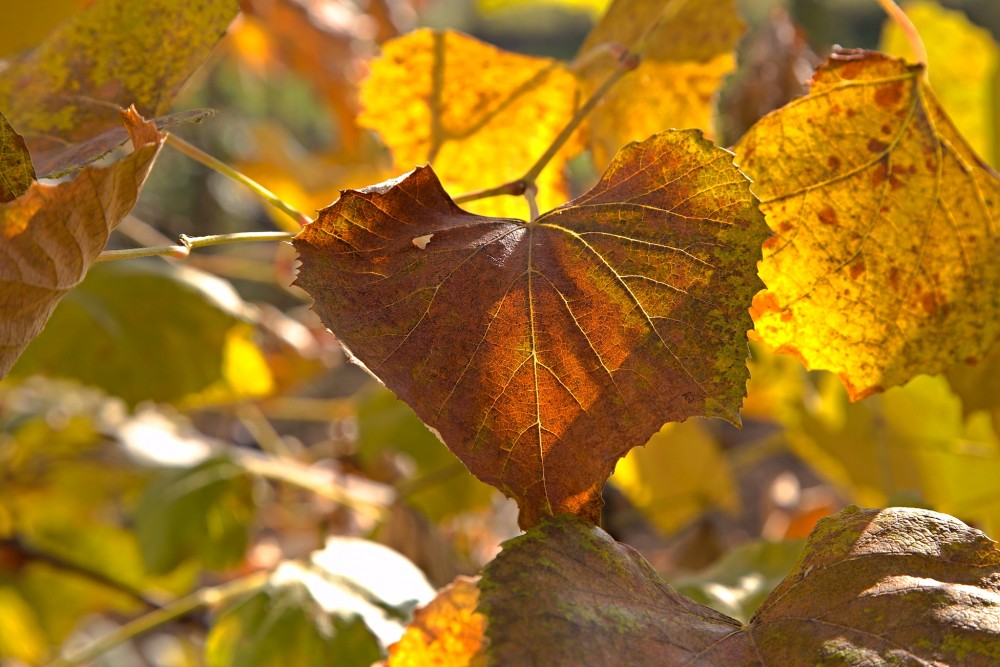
(184,423)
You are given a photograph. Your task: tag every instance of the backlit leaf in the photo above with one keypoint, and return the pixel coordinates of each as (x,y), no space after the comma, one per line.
(963,60)
(680,474)
(886,259)
(111,54)
(16,172)
(676,82)
(479,115)
(542,352)
(116,329)
(872,587)
(447,632)
(52,233)
(203,512)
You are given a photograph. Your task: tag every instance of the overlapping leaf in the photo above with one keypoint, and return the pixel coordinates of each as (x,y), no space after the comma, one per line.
(675,85)
(52,233)
(542,352)
(111,54)
(886,259)
(895,586)
(479,115)
(16,172)
(447,632)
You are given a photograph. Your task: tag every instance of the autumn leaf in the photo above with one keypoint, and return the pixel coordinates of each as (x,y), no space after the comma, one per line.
(481,116)
(111,54)
(963,59)
(676,82)
(884,262)
(52,233)
(16,172)
(893,586)
(447,631)
(542,352)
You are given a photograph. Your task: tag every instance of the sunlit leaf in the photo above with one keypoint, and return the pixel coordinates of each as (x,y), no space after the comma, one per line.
(963,60)
(886,259)
(113,53)
(895,586)
(543,352)
(16,172)
(21,638)
(386,425)
(202,512)
(447,632)
(52,233)
(681,473)
(675,84)
(479,115)
(116,330)
(283,625)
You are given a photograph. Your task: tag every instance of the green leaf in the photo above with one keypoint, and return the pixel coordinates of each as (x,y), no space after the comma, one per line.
(151,331)
(283,625)
(202,512)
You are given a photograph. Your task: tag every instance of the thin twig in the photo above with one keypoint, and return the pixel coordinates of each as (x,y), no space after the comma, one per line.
(909,31)
(205,597)
(189,243)
(221,167)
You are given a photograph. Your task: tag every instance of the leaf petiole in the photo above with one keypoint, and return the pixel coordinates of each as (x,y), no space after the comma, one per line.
(189,243)
(221,167)
(916,42)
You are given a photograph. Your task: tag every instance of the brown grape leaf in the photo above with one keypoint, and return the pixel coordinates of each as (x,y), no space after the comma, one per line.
(481,116)
(111,54)
(447,631)
(16,172)
(872,587)
(542,352)
(886,261)
(676,82)
(52,233)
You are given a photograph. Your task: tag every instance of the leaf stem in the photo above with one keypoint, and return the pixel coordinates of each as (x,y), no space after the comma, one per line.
(189,243)
(221,167)
(205,597)
(909,30)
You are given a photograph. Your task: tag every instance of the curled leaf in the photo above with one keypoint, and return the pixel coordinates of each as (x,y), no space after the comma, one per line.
(886,257)
(448,631)
(16,172)
(542,352)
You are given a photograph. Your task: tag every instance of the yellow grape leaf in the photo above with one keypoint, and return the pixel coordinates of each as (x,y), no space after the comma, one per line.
(962,64)
(447,632)
(21,637)
(885,261)
(52,233)
(592,7)
(676,81)
(16,172)
(679,474)
(481,116)
(113,53)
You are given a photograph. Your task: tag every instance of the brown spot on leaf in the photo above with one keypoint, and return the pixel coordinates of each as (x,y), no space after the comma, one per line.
(886,129)
(829,217)
(879,173)
(857,268)
(833,162)
(894,278)
(889,95)
(876,146)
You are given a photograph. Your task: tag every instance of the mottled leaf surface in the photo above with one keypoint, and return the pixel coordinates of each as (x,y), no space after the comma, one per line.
(480,115)
(885,261)
(112,54)
(872,587)
(542,352)
(447,632)
(16,172)
(52,233)
(675,84)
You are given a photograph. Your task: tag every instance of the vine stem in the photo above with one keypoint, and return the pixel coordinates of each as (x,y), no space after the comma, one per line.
(205,597)
(188,243)
(916,42)
(221,167)
(628,60)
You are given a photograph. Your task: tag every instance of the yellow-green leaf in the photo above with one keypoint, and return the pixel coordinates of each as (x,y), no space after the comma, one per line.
(16,172)
(677,80)
(886,257)
(481,116)
(962,64)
